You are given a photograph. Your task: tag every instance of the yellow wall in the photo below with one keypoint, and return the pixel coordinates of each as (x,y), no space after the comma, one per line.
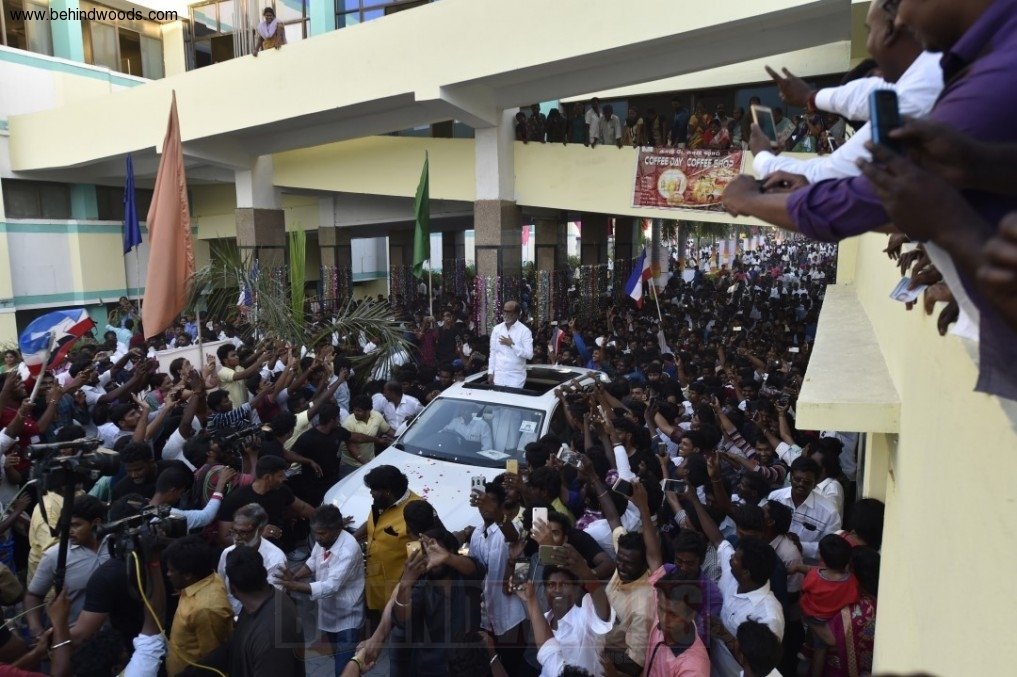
(947,588)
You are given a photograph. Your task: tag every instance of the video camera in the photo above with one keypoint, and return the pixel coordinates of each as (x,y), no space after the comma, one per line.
(232,439)
(153,524)
(83,458)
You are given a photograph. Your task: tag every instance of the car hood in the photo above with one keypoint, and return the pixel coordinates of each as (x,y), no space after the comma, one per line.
(443,484)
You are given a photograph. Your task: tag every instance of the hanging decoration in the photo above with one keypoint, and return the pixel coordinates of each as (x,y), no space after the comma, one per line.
(487,303)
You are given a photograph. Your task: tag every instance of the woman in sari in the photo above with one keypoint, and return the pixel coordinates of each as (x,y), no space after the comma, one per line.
(695,133)
(854,628)
(270,32)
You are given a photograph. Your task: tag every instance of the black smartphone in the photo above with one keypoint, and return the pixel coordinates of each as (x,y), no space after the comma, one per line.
(884,115)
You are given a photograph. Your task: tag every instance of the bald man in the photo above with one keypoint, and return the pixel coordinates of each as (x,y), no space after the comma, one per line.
(511,346)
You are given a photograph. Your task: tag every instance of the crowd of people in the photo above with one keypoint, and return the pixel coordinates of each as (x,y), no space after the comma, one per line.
(681,523)
(940,182)
(593,125)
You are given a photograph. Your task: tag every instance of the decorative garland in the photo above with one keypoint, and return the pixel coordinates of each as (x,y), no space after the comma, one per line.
(592,285)
(487,303)
(453,276)
(543,301)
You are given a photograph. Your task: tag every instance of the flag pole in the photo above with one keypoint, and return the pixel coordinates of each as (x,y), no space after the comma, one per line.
(45,367)
(653,287)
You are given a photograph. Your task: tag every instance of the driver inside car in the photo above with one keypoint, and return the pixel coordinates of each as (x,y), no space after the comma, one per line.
(470,427)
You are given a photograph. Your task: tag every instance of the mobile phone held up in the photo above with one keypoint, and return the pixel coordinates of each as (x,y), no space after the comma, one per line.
(520,574)
(552,555)
(884,116)
(674,486)
(623,487)
(569,457)
(763,116)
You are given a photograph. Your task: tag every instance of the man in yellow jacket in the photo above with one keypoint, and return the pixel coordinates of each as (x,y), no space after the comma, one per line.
(386,534)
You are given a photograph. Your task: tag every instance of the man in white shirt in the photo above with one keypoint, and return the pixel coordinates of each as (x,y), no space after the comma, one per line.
(578,621)
(468,425)
(248,524)
(503,614)
(609,130)
(336,572)
(593,120)
(744,585)
(917,90)
(815,515)
(511,347)
(395,406)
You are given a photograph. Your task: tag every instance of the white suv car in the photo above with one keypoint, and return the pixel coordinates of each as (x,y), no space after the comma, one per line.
(436,453)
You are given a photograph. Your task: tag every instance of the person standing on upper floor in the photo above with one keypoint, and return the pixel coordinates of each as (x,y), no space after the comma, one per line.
(633,133)
(576,127)
(815,515)
(655,133)
(592,118)
(270,33)
(555,125)
(785,127)
(536,125)
(678,134)
(609,130)
(511,347)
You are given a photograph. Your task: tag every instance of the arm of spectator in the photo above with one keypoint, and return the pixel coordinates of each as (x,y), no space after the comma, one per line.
(580,344)
(153,428)
(720,496)
(150,644)
(589,475)
(786,434)
(654,553)
(541,630)
(326,394)
(710,529)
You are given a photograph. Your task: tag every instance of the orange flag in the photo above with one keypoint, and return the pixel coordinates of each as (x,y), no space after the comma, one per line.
(170,248)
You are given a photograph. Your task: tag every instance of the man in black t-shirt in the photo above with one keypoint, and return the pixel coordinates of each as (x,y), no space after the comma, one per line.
(141,470)
(318,450)
(269,490)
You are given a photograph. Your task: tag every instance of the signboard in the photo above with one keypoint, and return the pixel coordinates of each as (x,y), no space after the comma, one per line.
(676,178)
(192,353)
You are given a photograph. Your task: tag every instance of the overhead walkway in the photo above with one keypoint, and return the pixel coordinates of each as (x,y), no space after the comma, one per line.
(456,59)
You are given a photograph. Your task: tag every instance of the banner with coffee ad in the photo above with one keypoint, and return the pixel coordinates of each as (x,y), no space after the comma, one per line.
(676,178)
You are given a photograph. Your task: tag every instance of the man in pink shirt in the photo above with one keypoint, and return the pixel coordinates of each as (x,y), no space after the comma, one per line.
(674,648)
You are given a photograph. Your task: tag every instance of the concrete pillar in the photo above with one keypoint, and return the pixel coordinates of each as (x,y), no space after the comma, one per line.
(400,248)
(67,40)
(453,245)
(174,58)
(593,240)
(497,219)
(8,325)
(551,249)
(261,222)
(627,235)
(335,242)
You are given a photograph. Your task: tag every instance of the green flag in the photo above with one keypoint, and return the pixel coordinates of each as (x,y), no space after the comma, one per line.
(422,232)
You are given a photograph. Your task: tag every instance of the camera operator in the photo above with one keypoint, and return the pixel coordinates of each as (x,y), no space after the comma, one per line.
(83,558)
(110,594)
(212,458)
(175,481)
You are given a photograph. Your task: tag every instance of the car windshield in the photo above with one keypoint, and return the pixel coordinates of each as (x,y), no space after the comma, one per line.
(473,433)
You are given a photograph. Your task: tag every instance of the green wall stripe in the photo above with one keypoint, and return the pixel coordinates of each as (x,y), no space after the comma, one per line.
(23,58)
(59,227)
(107,295)
(370,275)
(3,124)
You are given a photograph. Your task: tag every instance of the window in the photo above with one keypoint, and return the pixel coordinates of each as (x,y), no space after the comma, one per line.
(32,35)
(214,23)
(129,46)
(36,199)
(110,202)
(353,12)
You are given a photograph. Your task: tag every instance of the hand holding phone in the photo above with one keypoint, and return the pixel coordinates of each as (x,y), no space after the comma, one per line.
(884,116)
(763,117)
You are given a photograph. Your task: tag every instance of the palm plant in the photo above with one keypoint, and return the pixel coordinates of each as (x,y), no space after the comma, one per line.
(275,310)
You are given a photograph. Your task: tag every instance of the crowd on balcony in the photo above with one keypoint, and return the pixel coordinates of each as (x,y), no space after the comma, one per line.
(593,125)
(941,184)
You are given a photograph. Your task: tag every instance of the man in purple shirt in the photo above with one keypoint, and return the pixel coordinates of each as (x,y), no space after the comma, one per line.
(978,39)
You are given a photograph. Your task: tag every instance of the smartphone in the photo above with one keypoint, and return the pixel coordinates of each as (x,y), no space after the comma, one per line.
(661,448)
(477,484)
(539,515)
(520,574)
(736,328)
(551,555)
(413,547)
(569,457)
(512,466)
(884,114)
(784,401)
(794,349)
(623,487)
(675,486)
(763,116)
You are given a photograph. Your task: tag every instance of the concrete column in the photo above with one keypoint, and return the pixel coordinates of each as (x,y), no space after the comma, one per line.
(551,249)
(453,245)
(8,325)
(66,33)
(627,234)
(593,240)
(497,219)
(261,222)
(174,58)
(335,242)
(400,248)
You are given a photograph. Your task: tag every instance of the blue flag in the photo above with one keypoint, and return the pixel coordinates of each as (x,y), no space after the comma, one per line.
(132,229)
